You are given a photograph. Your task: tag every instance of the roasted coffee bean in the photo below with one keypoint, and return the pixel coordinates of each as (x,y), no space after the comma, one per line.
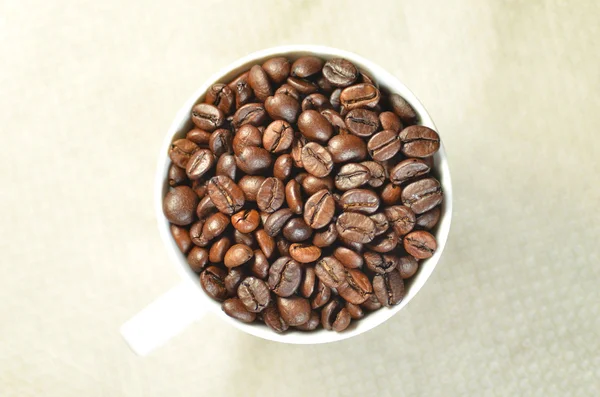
(277,220)
(196,235)
(181,150)
(197,258)
(273,319)
(233,280)
(220,142)
(385,243)
(377,173)
(304,87)
(422,195)
(260,265)
(306,66)
(315,101)
(199,186)
(401,218)
(215,225)
(334,118)
(288,90)
(309,282)
(359,95)
(367,78)
(221,96)
(334,99)
(250,113)
(384,145)
(218,250)
(381,223)
(305,253)
(331,272)
(322,295)
(407,266)
(282,169)
(319,209)
(389,121)
(360,200)
(311,184)
(355,227)
(212,282)
(225,194)
(205,208)
(198,136)
(357,247)
(283,246)
(278,136)
(294,310)
(297,146)
(243,238)
(250,185)
(245,220)
(402,109)
(372,303)
(254,294)
(347,147)
(390,194)
(355,311)
(314,126)
(335,317)
(380,263)
(253,160)
(226,166)
(242,90)
(285,275)
(296,230)
(283,107)
(265,242)
(325,86)
(177,176)
(182,238)
(408,169)
(271,195)
(420,244)
(199,163)
(179,205)
(316,159)
(234,307)
(325,237)
(278,69)
(340,72)
(259,82)
(349,258)
(389,288)
(351,176)
(207,117)
(429,219)
(419,141)
(362,122)
(293,196)
(357,287)
(246,135)
(313,322)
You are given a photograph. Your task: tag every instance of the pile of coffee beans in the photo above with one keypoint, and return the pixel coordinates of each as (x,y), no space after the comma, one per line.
(304,196)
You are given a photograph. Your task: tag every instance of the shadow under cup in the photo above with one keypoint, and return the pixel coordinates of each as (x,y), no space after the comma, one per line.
(182,124)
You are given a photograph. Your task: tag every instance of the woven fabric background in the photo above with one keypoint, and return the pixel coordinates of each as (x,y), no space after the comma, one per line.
(87,91)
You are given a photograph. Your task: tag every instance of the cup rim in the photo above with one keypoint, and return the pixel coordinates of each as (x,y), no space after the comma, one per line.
(182,119)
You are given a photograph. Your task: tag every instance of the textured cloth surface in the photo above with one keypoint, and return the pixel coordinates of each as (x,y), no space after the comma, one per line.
(88,89)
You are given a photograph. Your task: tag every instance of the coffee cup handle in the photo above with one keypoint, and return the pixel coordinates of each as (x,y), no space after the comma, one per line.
(162,319)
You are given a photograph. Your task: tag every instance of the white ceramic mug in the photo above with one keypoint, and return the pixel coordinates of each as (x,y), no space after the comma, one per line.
(187,302)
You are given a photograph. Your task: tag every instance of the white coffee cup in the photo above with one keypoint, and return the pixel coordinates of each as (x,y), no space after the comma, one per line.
(187,302)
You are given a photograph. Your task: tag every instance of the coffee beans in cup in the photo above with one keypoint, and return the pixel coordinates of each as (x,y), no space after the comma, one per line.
(305,196)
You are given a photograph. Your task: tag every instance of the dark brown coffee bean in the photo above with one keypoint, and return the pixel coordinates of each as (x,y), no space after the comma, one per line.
(365,77)
(331,272)
(351,176)
(259,82)
(212,282)
(254,294)
(207,117)
(265,242)
(319,209)
(242,90)
(199,163)
(334,99)
(293,196)
(294,310)
(389,121)
(326,237)
(380,263)
(176,176)
(420,244)
(179,205)
(283,107)
(274,320)
(356,227)
(226,166)
(340,72)
(220,142)
(199,186)
(304,253)
(285,275)
(283,246)
(253,160)
(316,159)
(243,238)
(402,109)
(357,287)
(306,66)
(360,200)
(401,218)
(347,257)
(205,208)
(385,243)
(278,69)
(347,147)
(196,234)
(250,185)
(314,126)
(198,136)
(316,102)
(381,223)
(182,238)
(335,317)
(408,169)
(390,194)
(422,195)
(355,311)
(246,221)
(278,136)
(225,194)
(233,280)
(311,184)
(371,304)
(260,266)
(389,288)
(297,150)
(246,135)
(362,122)
(218,250)
(384,145)
(215,225)
(250,113)
(309,282)
(377,173)
(197,258)
(288,90)
(234,308)
(296,230)
(282,169)
(429,219)
(322,295)
(221,96)
(276,220)
(334,118)
(304,87)
(312,324)
(359,95)
(419,141)
(271,195)
(325,86)
(181,150)
(357,247)
(407,266)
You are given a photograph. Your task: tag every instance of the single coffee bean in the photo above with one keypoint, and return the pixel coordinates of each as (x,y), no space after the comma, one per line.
(335,317)
(198,136)
(293,196)
(243,238)
(196,235)
(390,194)
(285,275)
(355,311)
(277,220)
(331,272)
(245,220)
(233,280)
(377,173)
(225,194)
(316,102)
(420,244)
(250,185)
(385,243)
(357,247)
(226,166)
(334,99)
(322,295)
(181,150)
(179,205)
(355,227)
(207,117)
(314,126)
(429,219)
(402,109)
(288,90)
(357,287)
(259,267)
(340,72)
(309,282)
(296,230)
(199,163)
(351,176)
(325,86)
(334,118)
(212,282)
(359,95)
(297,146)
(199,186)
(304,87)
(246,135)
(294,310)
(372,303)
(278,136)
(259,82)
(221,96)
(264,216)
(367,78)
(273,319)
(283,107)
(319,209)
(326,237)
(253,160)
(283,246)
(389,288)
(205,208)
(311,184)
(401,218)
(271,195)
(304,253)
(312,324)
(282,169)
(234,307)
(389,121)
(407,266)
(346,148)
(419,141)
(360,200)
(250,113)
(265,242)
(381,223)
(408,169)
(220,142)
(316,159)
(182,238)
(242,90)
(422,195)
(380,263)
(278,69)
(384,145)
(177,176)
(349,258)
(197,258)
(218,250)
(254,294)
(362,122)
(215,225)
(306,66)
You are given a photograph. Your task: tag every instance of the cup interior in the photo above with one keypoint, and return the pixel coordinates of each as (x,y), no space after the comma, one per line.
(183,123)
